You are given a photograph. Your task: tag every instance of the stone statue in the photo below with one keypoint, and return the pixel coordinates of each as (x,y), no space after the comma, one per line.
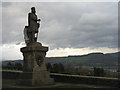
(26,35)
(31,31)
(34,66)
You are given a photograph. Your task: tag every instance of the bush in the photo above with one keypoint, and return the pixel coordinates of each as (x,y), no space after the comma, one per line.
(16,66)
(98,71)
(58,68)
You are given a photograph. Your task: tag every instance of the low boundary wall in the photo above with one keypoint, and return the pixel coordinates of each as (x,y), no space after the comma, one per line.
(70,78)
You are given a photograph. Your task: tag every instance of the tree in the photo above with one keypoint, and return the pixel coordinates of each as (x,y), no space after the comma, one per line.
(10,65)
(55,67)
(98,71)
(61,67)
(18,66)
(49,67)
(58,68)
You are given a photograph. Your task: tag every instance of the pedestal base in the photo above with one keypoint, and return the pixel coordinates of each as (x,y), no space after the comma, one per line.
(41,77)
(34,66)
(35,79)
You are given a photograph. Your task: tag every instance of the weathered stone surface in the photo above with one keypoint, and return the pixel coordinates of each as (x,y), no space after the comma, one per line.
(41,77)
(36,78)
(34,55)
(25,78)
(31,31)
(34,66)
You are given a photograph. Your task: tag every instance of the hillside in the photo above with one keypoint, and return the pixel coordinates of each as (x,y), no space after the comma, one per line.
(92,59)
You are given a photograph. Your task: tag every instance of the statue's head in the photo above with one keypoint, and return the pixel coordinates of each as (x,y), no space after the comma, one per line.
(33,10)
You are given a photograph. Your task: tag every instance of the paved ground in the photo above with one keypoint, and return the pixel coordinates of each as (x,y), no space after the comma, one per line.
(7,83)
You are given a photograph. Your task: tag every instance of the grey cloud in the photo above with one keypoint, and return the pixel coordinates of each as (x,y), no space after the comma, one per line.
(0,23)
(6,4)
(64,25)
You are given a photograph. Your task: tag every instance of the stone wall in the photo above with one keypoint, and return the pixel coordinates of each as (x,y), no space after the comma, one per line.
(85,79)
(69,78)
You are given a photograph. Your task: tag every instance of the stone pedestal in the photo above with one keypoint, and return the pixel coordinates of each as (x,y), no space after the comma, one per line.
(34,66)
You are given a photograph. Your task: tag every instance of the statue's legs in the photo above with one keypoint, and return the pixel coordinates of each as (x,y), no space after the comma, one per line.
(33,37)
(30,37)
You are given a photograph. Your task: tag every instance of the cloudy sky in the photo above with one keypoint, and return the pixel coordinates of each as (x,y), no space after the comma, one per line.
(67,28)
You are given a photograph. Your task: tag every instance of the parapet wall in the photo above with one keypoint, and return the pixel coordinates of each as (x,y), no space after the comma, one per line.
(85,79)
(70,78)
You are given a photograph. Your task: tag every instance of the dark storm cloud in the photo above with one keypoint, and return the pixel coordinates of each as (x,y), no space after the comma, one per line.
(64,25)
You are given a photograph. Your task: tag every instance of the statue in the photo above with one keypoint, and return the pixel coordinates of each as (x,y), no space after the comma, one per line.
(34,66)
(31,31)
(26,35)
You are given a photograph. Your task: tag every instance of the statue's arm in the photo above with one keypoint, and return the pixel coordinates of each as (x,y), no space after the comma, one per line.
(39,20)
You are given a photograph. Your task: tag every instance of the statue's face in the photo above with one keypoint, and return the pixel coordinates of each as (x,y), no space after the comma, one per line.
(33,10)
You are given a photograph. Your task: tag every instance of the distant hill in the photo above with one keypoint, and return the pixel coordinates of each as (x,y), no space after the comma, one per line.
(92,59)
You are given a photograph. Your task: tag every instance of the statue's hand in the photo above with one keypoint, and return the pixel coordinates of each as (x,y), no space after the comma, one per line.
(38,20)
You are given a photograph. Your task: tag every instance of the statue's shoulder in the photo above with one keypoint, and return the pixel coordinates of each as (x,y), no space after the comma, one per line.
(29,13)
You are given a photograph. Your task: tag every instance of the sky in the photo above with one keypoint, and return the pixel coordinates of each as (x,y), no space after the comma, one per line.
(67,28)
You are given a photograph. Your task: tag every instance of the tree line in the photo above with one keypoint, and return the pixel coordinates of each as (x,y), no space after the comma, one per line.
(63,69)
(10,66)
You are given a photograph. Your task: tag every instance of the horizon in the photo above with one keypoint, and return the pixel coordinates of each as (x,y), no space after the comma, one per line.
(66,56)
(74,28)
